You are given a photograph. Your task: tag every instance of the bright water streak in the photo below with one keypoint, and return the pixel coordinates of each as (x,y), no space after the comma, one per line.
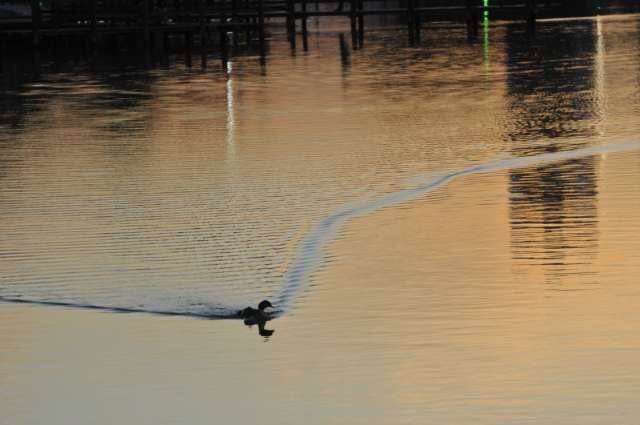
(310,251)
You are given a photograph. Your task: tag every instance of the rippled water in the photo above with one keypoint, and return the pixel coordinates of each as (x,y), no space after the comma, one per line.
(450,232)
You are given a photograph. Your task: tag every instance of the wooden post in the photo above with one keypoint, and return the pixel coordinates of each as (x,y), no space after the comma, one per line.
(145,23)
(472,19)
(344,52)
(305,41)
(224,52)
(55,12)
(234,19)
(291,21)
(203,35)
(248,29)
(417,22)
(354,28)
(410,21)
(36,63)
(288,21)
(263,49)
(224,40)
(94,22)
(165,41)
(148,62)
(188,47)
(114,45)
(360,23)
(36,17)
(468,19)
(531,13)
(3,53)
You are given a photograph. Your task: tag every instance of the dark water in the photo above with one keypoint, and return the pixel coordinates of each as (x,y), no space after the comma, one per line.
(450,232)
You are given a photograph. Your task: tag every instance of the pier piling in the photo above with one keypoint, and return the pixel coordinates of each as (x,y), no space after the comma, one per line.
(360,23)
(188,41)
(145,22)
(36,15)
(203,34)
(94,22)
(531,14)
(291,23)
(354,28)
(303,19)
(261,37)
(472,19)
(344,52)
(224,47)
(411,22)
(152,24)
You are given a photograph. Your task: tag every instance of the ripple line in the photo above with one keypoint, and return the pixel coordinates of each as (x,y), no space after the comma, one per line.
(202,315)
(309,253)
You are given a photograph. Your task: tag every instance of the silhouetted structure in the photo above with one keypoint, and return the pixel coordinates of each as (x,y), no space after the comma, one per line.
(152,23)
(553,206)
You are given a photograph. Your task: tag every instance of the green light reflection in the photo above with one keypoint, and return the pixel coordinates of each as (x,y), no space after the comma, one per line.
(485,38)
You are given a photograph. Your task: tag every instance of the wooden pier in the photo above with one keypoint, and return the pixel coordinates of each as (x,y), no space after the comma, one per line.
(152,23)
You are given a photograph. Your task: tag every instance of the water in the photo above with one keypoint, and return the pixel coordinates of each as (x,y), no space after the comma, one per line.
(450,232)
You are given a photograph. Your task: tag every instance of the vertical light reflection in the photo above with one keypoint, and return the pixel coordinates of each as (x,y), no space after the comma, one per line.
(231,123)
(599,76)
(485,39)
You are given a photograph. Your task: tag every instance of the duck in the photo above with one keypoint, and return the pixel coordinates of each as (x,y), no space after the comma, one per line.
(252,316)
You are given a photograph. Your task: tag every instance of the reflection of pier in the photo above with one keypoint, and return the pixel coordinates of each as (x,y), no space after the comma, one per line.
(150,23)
(554,206)
(554,216)
(154,22)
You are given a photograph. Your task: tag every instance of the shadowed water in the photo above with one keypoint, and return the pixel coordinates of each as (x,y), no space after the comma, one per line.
(448,233)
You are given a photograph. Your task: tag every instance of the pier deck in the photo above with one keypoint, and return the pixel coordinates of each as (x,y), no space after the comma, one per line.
(196,20)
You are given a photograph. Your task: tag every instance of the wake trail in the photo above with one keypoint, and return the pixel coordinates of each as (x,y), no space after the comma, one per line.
(214,315)
(309,254)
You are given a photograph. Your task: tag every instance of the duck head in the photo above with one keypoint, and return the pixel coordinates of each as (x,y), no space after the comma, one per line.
(264,304)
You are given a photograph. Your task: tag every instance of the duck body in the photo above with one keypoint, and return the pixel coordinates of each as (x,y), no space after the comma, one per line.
(247,312)
(253,316)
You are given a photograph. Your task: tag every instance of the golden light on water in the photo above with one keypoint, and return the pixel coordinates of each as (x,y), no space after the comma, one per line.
(506,296)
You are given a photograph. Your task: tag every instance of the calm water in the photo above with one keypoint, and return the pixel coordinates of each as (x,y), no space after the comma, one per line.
(452,233)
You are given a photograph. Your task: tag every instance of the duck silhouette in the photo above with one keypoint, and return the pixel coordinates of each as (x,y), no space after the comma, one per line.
(258,317)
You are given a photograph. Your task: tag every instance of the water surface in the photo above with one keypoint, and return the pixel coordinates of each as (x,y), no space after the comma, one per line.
(505,293)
